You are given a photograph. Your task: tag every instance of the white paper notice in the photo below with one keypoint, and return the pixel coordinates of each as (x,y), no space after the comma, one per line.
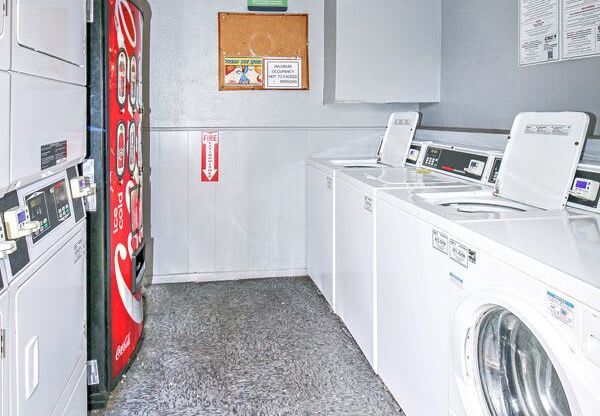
(538,31)
(283,73)
(580,28)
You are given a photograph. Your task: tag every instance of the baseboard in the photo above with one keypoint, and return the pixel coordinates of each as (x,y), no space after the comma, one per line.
(222,276)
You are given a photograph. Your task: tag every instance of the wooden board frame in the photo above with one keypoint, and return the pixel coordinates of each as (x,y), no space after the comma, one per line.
(263,35)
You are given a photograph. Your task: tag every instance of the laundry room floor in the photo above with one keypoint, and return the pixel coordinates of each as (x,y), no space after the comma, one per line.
(251,347)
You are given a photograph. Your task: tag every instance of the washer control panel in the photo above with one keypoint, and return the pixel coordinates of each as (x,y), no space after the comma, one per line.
(458,162)
(50,206)
(493,177)
(585,191)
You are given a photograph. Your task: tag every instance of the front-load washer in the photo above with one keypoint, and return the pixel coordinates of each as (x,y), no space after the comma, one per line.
(47,296)
(525,318)
(355,248)
(396,149)
(413,247)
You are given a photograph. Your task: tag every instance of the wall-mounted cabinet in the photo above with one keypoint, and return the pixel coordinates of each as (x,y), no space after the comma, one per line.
(388,51)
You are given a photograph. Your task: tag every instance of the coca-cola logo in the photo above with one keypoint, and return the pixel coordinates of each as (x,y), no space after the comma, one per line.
(123,347)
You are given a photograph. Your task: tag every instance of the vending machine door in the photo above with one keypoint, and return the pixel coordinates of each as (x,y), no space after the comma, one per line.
(48,127)
(4,36)
(4,130)
(125,25)
(49,322)
(49,39)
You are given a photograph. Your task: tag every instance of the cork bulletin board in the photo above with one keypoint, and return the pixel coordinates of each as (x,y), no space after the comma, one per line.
(249,43)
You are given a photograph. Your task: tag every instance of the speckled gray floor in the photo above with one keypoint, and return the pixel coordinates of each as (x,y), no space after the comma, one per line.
(254,347)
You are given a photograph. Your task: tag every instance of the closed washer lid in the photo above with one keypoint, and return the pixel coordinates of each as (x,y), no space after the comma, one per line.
(541,158)
(399,134)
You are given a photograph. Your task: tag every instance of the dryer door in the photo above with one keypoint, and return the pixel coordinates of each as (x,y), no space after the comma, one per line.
(49,319)
(49,39)
(516,374)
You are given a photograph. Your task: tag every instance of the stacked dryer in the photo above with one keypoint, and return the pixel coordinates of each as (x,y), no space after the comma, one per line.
(42,220)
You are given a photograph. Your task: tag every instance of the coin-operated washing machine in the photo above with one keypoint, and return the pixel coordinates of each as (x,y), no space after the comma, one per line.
(45,268)
(415,245)
(525,318)
(396,149)
(320,217)
(356,215)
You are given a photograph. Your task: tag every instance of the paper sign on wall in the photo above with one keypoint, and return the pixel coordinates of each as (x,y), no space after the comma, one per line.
(244,72)
(538,31)
(283,73)
(580,28)
(558,30)
(210,156)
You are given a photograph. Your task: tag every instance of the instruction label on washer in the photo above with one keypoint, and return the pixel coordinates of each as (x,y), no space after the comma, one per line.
(548,129)
(439,241)
(561,309)
(459,253)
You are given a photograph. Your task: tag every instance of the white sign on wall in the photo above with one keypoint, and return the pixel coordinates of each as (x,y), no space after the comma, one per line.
(283,73)
(538,31)
(555,30)
(580,28)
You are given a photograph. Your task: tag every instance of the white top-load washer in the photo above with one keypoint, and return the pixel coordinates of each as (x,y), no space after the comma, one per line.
(525,318)
(355,248)
(395,149)
(413,247)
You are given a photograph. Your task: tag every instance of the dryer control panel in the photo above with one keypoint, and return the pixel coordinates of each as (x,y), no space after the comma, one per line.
(585,191)
(458,162)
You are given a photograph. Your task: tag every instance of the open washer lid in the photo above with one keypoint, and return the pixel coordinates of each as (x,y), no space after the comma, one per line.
(399,134)
(541,158)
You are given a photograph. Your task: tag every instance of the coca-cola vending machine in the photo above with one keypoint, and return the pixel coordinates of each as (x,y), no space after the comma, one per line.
(116,244)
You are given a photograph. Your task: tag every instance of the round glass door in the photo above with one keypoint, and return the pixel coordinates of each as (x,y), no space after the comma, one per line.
(517,376)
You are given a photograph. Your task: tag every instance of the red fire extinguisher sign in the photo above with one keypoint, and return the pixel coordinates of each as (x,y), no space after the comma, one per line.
(210,157)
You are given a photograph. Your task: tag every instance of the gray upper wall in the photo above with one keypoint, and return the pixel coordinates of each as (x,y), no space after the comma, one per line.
(184,67)
(482,84)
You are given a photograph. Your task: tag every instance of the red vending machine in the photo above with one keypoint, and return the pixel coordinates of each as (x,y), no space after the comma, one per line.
(116,244)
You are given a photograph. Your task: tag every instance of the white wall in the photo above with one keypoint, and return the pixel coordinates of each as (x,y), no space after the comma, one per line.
(251,223)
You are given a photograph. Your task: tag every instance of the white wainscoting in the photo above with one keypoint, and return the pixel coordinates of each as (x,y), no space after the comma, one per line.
(251,223)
